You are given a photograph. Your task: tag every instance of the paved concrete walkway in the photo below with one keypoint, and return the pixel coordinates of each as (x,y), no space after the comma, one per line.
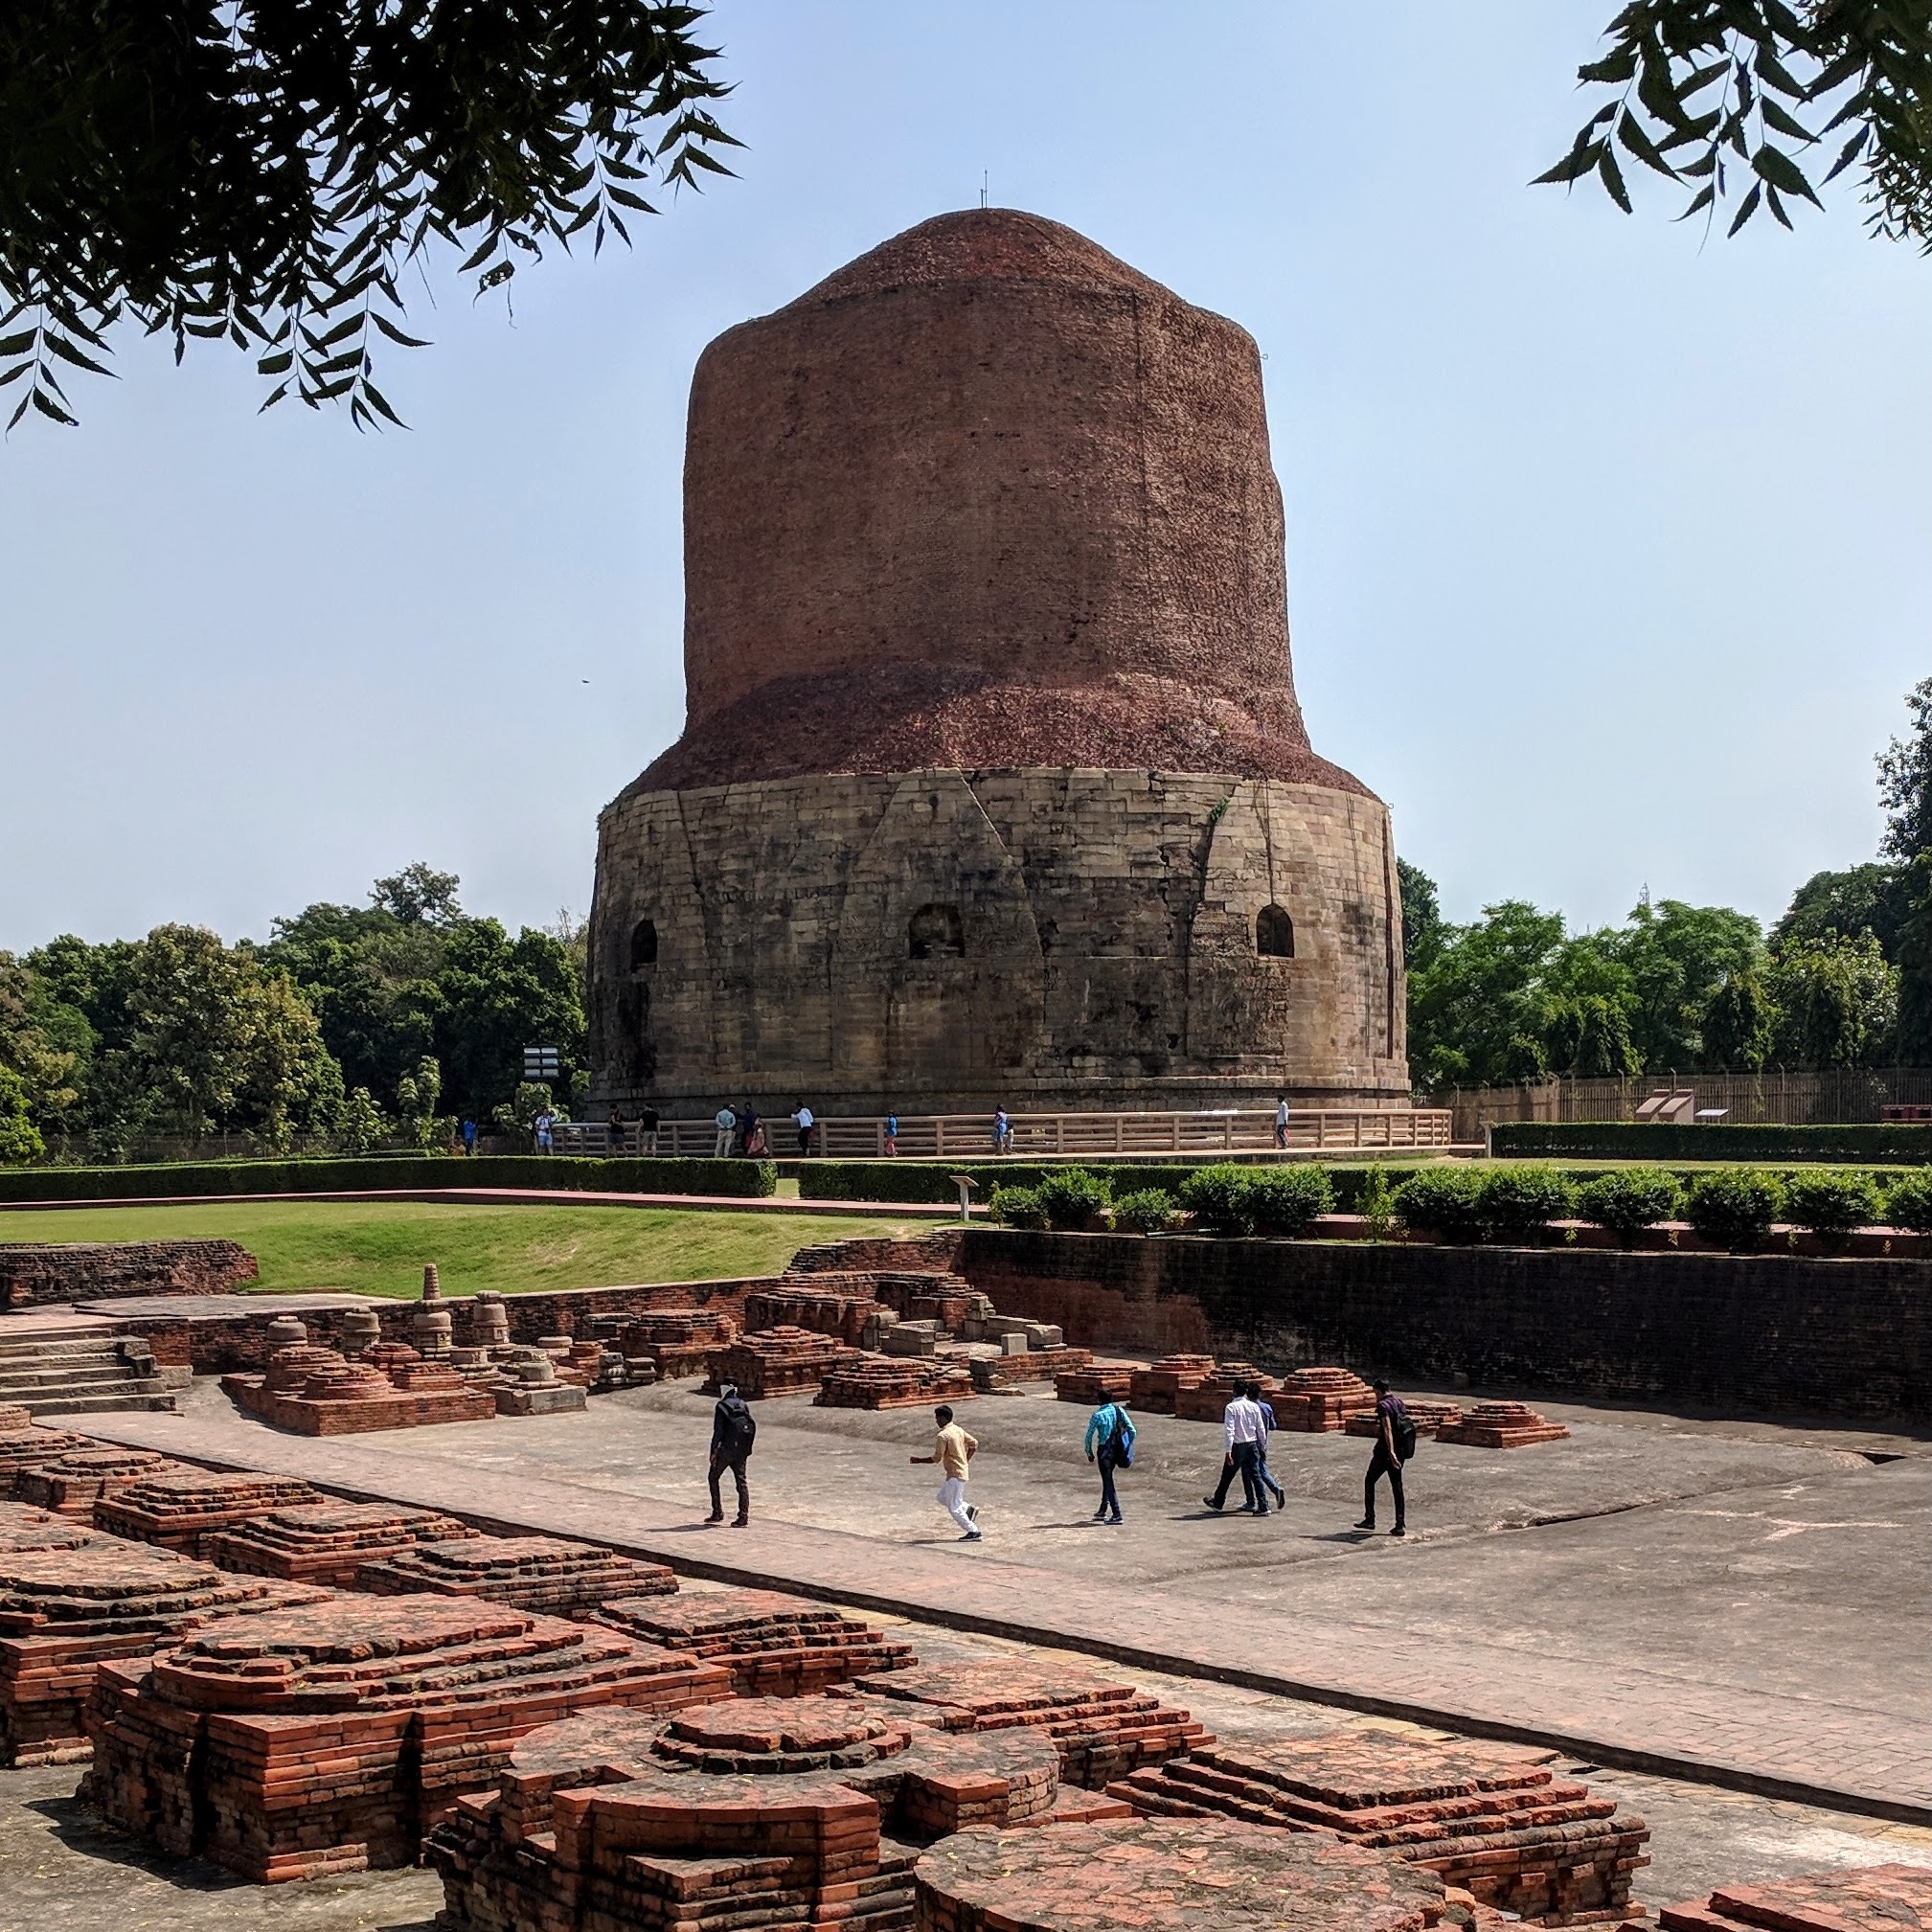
(1771,1736)
(544,1198)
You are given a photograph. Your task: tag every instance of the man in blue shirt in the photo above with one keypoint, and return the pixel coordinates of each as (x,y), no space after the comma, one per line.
(1110,1443)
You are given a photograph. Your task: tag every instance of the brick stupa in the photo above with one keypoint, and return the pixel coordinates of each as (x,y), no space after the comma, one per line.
(774,1644)
(994,786)
(551,1574)
(327,1542)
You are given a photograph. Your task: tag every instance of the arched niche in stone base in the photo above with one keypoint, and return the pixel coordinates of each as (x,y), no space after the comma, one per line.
(945,1019)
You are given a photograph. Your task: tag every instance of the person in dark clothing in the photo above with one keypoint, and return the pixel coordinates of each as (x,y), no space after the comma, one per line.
(647,1131)
(1390,1418)
(1262,1475)
(733,1428)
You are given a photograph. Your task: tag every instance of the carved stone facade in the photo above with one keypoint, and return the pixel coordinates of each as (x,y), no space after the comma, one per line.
(995,788)
(1049,939)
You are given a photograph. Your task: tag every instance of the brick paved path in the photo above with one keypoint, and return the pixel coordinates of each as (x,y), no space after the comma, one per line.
(1814,1749)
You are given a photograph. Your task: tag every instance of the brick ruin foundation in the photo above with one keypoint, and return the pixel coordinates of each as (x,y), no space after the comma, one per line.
(329,1737)
(22,1527)
(888,1382)
(773,1645)
(73,1482)
(1428,1414)
(1494,1821)
(1092,1383)
(779,1813)
(66,1612)
(1203,1874)
(36,1273)
(547,1573)
(1321,1401)
(1867,1898)
(327,1542)
(675,1342)
(1103,1731)
(315,1391)
(27,1447)
(774,1362)
(1501,1426)
(1205,1401)
(180,1512)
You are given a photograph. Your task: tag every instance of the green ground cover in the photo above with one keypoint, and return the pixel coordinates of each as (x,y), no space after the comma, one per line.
(379,1247)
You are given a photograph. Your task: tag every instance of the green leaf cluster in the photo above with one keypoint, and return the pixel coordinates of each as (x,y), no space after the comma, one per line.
(268,175)
(1730,100)
(1734,1207)
(1146,1210)
(1628,1200)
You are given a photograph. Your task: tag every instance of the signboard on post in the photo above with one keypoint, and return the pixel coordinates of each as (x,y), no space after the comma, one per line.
(542,1064)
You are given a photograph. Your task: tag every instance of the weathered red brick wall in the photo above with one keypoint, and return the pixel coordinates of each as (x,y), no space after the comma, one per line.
(34,1273)
(1749,1334)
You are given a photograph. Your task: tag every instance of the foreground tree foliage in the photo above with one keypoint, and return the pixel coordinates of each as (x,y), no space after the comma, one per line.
(1730,98)
(264,172)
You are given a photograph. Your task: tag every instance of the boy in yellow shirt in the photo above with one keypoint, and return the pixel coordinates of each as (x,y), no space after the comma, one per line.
(953,1452)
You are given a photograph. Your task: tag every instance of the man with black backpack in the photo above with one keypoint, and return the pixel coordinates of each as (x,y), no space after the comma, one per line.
(1395,1444)
(1110,1443)
(733,1429)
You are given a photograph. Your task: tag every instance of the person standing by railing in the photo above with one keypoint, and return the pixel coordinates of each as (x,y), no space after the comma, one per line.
(725,1121)
(648,1124)
(891,1137)
(1003,1131)
(804,1120)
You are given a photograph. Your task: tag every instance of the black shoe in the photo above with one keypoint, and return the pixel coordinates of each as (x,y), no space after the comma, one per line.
(1211,1504)
(1116,1521)
(715,1516)
(1247,1510)
(1399,1530)
(1367,1523)
(1100,1515)
(740,1522)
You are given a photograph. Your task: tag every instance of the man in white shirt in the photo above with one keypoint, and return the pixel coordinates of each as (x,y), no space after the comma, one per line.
(1242,1434)
(1281,1123)
(804,1120)
(726,1123)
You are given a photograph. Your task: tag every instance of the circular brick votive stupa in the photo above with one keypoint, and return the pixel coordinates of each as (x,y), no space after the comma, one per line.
(994,786)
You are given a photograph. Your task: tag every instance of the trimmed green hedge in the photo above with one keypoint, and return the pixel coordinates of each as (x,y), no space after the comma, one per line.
(747,1180)
(1641,1141)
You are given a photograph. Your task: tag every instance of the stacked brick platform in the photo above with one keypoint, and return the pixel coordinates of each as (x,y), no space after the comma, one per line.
(1321,1401)
(774,1362)
(328,1738)
(677,1342)
(46,1272)
(25,1528)
(775,1814)
(327,1542)
(66,1612)
(894,1382)
(1501,1426)
(1206,1400)
(180,1512)
(1093,1383)
(828,1305)
(74,1483)
(1036,1365)
(1154,1389)
(1428,1415)
(1101,1730)
(1206,1875)
(773,1645)
(1867,1898)
(1497,1823)
(915,1296)
(13,1417)
(314,1391)
(29,1446)
(547,1573)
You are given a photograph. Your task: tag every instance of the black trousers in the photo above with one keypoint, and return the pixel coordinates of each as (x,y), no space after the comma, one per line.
(1110,1503)
(722,1460)
(1381,1464)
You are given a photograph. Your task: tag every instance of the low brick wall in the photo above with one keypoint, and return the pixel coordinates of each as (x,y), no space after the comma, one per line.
(36,1273)
(1751,1334)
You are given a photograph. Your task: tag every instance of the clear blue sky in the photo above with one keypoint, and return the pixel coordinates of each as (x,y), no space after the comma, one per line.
(1608,552)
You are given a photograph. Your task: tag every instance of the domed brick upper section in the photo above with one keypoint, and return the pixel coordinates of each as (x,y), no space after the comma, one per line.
(985,498)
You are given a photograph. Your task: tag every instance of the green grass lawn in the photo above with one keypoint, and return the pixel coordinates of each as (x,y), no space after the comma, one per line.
(379,1247)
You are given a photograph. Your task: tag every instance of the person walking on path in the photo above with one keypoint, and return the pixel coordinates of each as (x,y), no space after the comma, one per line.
(1110,1446)
(1281,1123)
(891,1137)
(733,1429)
(804,1119)
(647,1123)
(725,1121)
(1395,1444)
(953,1451)
(1241,1436)
(1262,1475)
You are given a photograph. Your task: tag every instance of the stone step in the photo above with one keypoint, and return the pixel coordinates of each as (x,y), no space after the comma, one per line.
(94,1402)
(47,1374)
(81,1343)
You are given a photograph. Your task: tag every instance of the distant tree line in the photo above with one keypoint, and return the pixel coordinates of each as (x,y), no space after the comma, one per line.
(353,1026)
(1844,979)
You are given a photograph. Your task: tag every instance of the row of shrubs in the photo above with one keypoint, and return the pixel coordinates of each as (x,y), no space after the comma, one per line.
(1731,1207)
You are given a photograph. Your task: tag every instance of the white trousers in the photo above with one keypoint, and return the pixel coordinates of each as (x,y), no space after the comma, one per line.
(952,1500)
(722,1145)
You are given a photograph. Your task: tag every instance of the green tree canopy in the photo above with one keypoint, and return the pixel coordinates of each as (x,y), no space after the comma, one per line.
(263,175)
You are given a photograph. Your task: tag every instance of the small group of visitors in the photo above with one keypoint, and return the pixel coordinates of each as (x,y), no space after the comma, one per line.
(616,1128)
(1246,1425)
